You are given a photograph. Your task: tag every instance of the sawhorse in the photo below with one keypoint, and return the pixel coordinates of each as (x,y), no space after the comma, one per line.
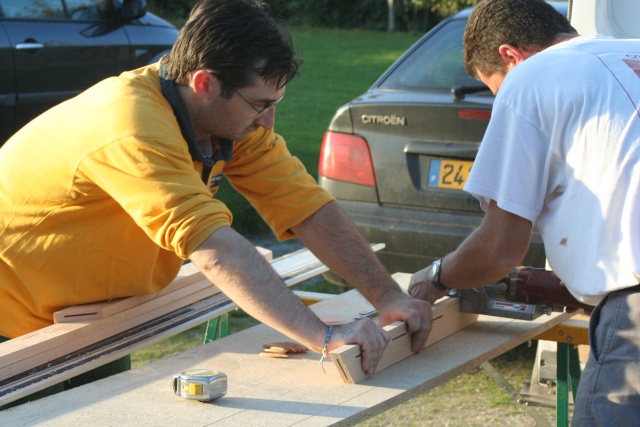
(568,336)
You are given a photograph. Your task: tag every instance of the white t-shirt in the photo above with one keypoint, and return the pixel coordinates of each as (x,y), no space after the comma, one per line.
(563,150)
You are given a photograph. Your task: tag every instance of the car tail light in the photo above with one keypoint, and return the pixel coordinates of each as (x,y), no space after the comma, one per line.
(474,114)
(346,158)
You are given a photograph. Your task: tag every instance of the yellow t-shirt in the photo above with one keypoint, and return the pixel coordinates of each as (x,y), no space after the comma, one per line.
(100,199)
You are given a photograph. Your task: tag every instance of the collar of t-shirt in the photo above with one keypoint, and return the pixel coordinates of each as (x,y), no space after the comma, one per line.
(224,151)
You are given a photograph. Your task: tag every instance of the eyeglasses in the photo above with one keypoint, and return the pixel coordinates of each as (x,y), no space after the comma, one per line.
(261,109)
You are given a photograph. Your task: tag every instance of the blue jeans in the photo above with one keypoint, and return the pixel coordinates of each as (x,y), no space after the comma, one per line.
(609,391)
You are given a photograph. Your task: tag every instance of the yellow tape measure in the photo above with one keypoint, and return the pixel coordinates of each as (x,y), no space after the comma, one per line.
(200,384)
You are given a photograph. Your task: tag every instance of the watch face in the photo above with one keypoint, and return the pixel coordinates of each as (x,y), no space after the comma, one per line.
(434,271)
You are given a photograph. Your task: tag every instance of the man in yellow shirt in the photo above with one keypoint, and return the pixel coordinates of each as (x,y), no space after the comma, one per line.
(107,194)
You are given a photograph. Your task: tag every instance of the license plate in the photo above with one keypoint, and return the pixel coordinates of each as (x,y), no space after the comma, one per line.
(447,173)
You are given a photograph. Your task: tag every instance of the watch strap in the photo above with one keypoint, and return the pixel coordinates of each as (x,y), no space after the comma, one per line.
(434,276)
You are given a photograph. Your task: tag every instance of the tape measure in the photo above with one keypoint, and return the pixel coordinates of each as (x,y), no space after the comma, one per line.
(200,384)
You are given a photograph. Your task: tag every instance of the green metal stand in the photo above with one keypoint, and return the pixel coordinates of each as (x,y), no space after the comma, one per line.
(217,328)
(568,378)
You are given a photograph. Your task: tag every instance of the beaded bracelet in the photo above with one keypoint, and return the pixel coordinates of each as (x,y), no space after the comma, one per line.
(326,346)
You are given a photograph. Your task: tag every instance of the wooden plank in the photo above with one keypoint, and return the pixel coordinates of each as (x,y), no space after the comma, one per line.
(103,309)
(189,277)
(58,340)
(31,351)
(277,392)
(266,253)
(447,319)
(112,348)
(293,268)
(309,298)
(303,264)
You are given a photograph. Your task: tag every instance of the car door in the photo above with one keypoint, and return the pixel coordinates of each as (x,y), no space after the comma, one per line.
(7,84)
(61,48)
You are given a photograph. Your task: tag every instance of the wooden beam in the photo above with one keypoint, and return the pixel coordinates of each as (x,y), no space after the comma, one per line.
(188,281)
(45,357)
(447,319)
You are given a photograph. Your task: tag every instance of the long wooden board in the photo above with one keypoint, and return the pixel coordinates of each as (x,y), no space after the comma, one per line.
(277,392)
(34,361)
(189,280)
(293,268)
(447,320)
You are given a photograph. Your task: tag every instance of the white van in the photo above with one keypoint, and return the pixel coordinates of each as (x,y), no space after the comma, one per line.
(616,18)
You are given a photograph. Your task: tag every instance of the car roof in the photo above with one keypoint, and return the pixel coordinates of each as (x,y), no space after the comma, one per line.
(560,6)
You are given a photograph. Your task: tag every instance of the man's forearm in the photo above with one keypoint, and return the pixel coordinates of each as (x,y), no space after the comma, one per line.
(333,238)
(492,251)
(237,269)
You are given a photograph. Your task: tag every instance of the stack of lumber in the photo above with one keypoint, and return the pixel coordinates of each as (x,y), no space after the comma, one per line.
(85,337)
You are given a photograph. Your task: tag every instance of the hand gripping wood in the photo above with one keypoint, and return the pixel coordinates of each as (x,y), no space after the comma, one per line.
(447,319)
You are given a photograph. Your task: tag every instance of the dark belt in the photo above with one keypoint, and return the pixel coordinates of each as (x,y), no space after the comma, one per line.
(635,288)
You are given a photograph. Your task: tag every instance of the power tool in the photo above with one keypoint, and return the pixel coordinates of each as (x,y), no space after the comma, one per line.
(526,293)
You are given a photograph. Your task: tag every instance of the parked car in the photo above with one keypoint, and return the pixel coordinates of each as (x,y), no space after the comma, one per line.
(396,157)
(50,50)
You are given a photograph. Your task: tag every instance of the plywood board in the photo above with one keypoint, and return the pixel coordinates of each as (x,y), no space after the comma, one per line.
(447,320)
(277,392)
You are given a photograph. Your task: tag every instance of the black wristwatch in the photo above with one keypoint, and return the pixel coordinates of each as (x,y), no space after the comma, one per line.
(434,276)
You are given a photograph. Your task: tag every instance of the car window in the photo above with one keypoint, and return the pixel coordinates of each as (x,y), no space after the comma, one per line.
(87,10)
(82,10)
(40,9)
(436,64)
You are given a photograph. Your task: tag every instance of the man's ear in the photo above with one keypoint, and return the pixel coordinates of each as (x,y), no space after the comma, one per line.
(205,83)
(512,56)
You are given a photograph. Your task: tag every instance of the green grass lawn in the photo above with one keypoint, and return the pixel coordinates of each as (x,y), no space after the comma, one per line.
(338,66)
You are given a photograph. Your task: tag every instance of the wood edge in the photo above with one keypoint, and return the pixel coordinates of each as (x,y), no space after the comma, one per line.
(65,338)
(399,349)
(188,275)
(105,309)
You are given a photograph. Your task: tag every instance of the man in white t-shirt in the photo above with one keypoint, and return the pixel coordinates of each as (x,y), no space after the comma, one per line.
(562,152)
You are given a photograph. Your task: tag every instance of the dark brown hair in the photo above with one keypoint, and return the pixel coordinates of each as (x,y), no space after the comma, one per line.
(533,25)
(238,40)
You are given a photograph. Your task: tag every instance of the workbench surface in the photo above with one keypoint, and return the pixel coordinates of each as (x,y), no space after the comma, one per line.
(276,392)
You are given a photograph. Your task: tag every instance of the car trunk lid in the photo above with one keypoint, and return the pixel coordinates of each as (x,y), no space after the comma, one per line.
(412,141)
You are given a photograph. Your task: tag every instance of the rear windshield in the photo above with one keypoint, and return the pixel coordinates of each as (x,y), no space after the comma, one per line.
(436,64)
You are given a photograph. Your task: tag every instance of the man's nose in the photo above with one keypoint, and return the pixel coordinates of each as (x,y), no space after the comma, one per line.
(267,120)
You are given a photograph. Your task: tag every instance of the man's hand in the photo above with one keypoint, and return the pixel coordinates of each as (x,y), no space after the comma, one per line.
(420,287)
(333,238)
(371,338)
(415,313)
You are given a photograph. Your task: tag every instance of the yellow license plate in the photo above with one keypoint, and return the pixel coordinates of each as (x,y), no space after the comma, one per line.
(447,173)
